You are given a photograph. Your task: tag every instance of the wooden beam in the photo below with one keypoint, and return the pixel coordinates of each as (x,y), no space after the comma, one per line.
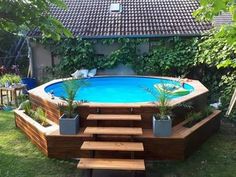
(113,130)
(114,117)
(112,146)
(111,164)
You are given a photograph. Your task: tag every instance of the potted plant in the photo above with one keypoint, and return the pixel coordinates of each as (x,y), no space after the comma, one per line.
(162,123)
(16,80)
(8,80)
(4,81)
(69,121)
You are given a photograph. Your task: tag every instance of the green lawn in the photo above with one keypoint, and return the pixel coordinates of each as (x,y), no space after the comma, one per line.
(18,157)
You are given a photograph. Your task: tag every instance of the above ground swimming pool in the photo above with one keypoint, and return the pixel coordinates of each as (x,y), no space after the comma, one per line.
(117,89)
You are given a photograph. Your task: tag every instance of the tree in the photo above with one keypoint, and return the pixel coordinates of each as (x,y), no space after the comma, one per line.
(219,48)
(23,15)
(210,8)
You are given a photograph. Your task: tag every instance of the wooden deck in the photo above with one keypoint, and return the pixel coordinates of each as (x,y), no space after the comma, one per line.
(113,164)
(115,117)
(111,146)
(113,130)
(145,111)
(118,136)
(182,143)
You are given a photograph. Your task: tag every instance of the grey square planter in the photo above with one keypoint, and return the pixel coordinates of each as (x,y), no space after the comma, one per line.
(162,128)
(69,126)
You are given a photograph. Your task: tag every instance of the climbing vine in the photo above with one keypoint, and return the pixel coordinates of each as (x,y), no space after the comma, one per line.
(169,57)
(76,53)
(207,59)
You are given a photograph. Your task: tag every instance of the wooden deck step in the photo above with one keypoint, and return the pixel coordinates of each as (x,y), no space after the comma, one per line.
(112,146)
(111,164)
(114,117)
(113,130)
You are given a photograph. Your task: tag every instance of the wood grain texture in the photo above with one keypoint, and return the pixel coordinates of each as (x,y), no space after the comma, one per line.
(114,117)
(51,109)
(113,164)
(113,130)
(112,146)
(146,112)
(36,137)
(181,144)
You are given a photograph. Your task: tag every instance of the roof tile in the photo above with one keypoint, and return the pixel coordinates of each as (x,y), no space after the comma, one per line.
(92,18)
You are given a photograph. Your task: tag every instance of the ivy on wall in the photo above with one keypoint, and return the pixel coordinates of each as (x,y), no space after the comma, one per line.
(125,54)
(207,59)
(169,57)
(76,53)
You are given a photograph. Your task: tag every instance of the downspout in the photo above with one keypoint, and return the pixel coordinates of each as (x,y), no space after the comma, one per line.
(30,56)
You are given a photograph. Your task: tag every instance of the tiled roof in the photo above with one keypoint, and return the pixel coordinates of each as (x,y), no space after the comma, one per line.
(140,18)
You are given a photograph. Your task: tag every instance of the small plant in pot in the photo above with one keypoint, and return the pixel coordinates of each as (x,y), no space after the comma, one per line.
(69,121)
(162,123)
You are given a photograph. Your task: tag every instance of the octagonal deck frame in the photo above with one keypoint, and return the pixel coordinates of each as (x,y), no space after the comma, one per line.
(176,147)
(39,97)
(199,89)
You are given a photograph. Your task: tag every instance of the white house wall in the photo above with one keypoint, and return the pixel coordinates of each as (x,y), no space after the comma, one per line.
(41,59)
(42,56)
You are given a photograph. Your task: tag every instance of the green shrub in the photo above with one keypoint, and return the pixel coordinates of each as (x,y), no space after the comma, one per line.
(170,57)
(22,98)
(194,117)
(229,84)
(40,116)
(27,107)
(10,78)
(217,53)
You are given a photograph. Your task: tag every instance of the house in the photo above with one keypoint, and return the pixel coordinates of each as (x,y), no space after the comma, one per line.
(96,19)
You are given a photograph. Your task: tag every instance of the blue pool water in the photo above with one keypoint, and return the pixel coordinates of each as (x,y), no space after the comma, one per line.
(116,89)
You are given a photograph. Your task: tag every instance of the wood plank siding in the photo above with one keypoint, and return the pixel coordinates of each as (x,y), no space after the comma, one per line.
(36,136)
(182,143)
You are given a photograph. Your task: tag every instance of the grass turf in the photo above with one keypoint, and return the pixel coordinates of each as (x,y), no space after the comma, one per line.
(20,158)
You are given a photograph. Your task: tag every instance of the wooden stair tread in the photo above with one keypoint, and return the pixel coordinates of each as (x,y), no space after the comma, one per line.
(111,164)
(112,146)
(114,117)
(113,130)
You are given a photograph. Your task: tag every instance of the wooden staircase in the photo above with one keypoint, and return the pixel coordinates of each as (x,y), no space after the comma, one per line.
(96,145)
(113,131)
